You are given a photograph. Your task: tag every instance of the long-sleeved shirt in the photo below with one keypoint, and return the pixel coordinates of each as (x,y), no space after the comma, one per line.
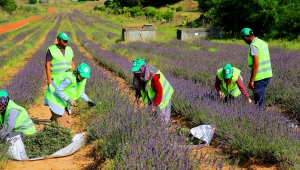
(156,86)
(239,82)
(11,122)
(59,92)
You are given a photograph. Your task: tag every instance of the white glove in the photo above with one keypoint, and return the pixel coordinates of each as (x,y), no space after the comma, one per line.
(71,102)
(221,95)
(249,101)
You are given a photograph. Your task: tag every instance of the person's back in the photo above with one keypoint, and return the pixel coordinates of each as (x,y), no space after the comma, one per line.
(153,87)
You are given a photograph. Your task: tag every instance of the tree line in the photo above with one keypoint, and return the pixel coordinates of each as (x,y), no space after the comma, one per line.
(271,19)
(143,3)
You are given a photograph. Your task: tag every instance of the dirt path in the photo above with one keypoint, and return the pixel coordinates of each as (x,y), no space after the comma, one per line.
(17,24)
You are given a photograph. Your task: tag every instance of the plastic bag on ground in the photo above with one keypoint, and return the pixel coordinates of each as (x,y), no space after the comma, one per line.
(204,133)
(17,150)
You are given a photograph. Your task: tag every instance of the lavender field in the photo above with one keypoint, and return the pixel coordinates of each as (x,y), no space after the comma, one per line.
(131,137)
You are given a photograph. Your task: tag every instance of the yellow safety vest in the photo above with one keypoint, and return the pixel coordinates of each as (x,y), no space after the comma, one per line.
(73,91)
(60,63)
(23,124)
(264,62)
(167,92)
(232,88)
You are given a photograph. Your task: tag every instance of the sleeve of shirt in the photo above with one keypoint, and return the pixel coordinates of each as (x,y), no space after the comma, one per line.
(60,89)
(48,56)
(157,88)
(242,88)
(11,122)
(84,96)
(218,84)
(253,51)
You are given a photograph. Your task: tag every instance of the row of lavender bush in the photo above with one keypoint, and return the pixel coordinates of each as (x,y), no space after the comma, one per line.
(202,58)
(9,39)
(124,131)
(201,105)
(26,85)
(201,65)
(19,50)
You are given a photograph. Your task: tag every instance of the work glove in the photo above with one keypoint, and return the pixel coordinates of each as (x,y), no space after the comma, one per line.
(91,103)
(71,102)
(249,101)
(154,110)
(221,95)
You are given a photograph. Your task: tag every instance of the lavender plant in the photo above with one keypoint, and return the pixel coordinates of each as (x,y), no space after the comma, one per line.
(31,78)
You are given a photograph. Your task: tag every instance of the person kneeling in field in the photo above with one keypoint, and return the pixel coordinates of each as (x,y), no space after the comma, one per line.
(14,118)
(62,92)
(229,83)
(153,87)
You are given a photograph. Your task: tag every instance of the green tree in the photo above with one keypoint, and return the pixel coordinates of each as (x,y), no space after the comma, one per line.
(8,5)
(268,18)
(142,3)
(150,12)
(159,15)
(169,15)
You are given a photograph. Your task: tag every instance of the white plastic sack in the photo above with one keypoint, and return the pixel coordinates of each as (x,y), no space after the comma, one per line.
(204,133)
(17,150)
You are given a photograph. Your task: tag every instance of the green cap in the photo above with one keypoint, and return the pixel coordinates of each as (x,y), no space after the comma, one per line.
(246,32)
(3,93)
(84,70)
(227,71)
(63,36)
(137,63)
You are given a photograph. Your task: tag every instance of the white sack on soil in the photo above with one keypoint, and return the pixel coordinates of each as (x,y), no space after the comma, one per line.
(17,150)
(204,133)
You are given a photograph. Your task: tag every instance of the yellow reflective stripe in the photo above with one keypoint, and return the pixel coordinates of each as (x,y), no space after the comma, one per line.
(264,69)
(235,89)
(24,123)
(166,93)
(61,63)
(58,70)
(24,127)
(262,63)
(54,87)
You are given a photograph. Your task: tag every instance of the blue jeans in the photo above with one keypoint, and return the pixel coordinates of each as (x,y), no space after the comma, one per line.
(260,90)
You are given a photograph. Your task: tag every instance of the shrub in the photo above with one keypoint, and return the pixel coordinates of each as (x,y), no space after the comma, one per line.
(179,8)
(96,8)
(32,1)
(102,8)
(169,15)
(150,12)
(159,15)
(192,24)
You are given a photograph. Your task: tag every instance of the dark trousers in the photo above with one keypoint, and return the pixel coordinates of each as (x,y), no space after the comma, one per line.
(260,90)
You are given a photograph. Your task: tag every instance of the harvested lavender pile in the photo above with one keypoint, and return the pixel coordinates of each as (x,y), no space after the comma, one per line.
(47,141)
